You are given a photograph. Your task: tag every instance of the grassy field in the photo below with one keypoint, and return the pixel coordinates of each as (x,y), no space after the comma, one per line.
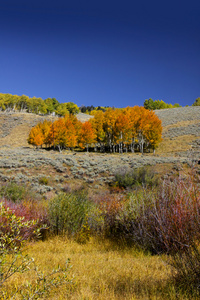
(102,270)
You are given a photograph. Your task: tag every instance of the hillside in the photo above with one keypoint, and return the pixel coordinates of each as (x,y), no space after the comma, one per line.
(181,130)
(15,127)
(21,163)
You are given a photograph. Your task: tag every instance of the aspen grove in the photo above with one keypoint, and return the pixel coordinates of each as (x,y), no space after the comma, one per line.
(115,130)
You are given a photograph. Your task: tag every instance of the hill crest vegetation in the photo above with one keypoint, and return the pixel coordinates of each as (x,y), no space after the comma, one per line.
(36,105)
(158,104)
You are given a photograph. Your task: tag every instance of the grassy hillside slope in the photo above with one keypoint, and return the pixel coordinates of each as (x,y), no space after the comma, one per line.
(181,128)
(21,163)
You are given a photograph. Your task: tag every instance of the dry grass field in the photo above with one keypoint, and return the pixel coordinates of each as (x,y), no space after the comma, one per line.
(102,270)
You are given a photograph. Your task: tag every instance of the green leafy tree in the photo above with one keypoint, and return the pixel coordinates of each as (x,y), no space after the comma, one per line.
(158,104)
(197,102)
(62,109)
(49,104)
(22,102)
(52,105)
(72,108)
(149,104)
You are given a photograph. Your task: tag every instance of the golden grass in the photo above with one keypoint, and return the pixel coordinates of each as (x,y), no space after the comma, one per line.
(17,137)
(181,143)
(101,270)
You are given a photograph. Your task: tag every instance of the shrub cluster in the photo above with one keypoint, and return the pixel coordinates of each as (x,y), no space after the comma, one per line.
(13,192)
(14,230)
(43,180)
(164,219)
(74,214)
(161,218)
(67,212)
(110,207)
(145,177)
(24,203)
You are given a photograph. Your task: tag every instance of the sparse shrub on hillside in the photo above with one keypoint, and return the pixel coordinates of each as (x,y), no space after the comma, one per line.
(67,188)
(130,178)
(43,180)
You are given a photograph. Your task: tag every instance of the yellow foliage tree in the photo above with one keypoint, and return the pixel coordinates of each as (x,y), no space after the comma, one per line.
(87,135)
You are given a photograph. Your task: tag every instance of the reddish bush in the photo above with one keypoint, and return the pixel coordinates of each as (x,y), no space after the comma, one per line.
(111,206)
(29,210)
(177,214)
(166,220)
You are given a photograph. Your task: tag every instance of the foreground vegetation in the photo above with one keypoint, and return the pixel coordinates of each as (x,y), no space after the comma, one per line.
(138,240)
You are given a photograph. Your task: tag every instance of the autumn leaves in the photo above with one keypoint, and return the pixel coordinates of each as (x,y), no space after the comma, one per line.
(65,132)
(117,130)
(126,129)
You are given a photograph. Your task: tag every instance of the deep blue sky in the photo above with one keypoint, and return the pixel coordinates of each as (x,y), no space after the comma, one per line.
(108,53)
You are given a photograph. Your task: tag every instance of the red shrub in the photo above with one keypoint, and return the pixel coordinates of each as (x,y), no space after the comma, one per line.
(29,210)
(168,219)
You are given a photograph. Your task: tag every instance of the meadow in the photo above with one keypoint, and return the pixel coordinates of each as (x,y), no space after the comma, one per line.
(137,240)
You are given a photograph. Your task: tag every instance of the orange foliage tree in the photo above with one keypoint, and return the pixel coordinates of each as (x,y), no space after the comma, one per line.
(122,131)
(36,137)
(97,125)
(71,133)
(87,135)
(45,129)
(61,133)
(125,128)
